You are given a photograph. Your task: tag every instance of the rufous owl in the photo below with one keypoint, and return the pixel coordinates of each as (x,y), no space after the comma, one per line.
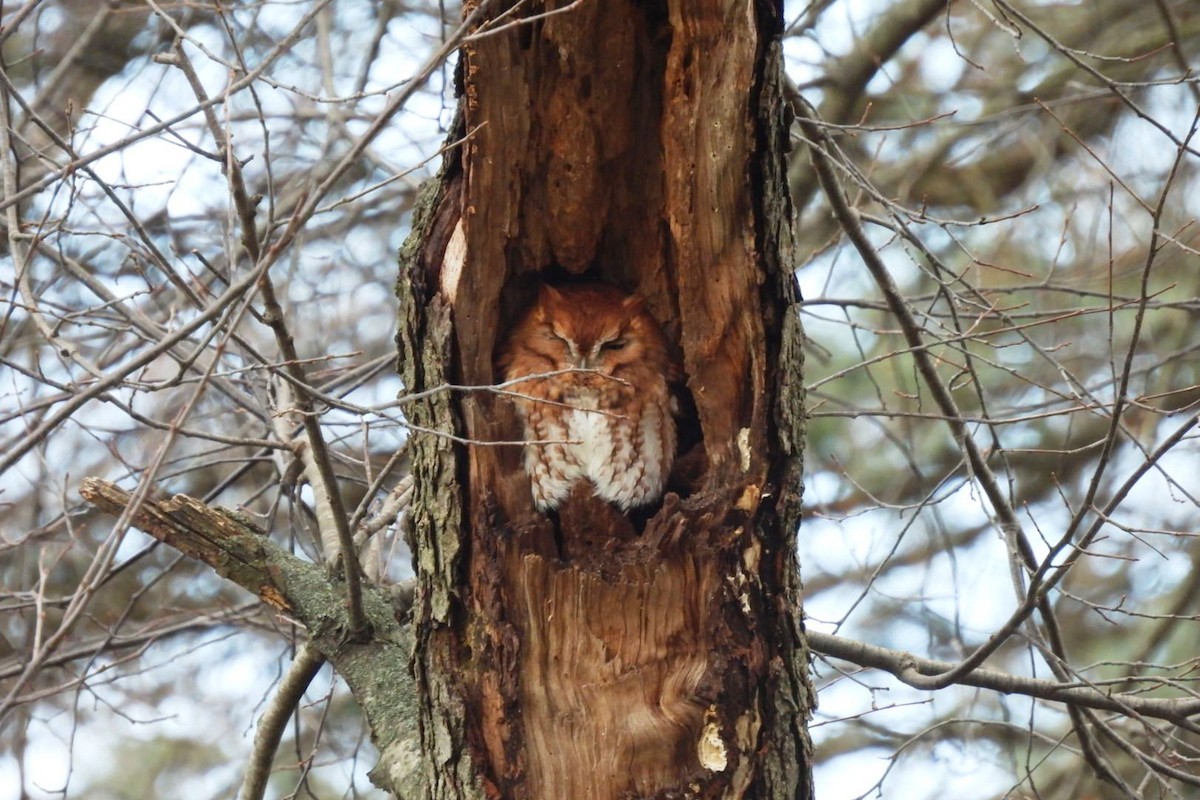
(610,422)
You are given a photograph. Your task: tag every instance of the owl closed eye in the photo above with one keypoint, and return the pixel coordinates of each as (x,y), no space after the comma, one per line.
(597,405)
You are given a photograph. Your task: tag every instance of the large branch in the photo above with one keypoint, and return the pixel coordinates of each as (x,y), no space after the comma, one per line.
(375,669)
(218,538)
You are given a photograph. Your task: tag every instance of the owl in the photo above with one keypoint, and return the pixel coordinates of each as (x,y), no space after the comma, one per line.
(611,422)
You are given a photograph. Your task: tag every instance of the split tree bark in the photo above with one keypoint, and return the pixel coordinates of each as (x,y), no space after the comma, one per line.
(641,144)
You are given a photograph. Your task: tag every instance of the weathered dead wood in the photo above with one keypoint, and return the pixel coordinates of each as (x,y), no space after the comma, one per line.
(231,546)
(591,655)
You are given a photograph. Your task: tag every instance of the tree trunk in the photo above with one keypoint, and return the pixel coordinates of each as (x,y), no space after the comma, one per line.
(590,655)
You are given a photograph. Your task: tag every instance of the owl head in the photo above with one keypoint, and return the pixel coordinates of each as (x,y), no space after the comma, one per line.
(591,326)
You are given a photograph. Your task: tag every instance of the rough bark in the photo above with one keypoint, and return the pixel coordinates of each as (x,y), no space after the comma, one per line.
(595,656)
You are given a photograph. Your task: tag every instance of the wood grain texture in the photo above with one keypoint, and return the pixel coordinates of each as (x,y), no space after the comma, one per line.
(708,144)
(611,678)
(598,654)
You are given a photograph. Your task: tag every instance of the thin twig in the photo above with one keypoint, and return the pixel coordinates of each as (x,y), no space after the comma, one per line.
(274,721)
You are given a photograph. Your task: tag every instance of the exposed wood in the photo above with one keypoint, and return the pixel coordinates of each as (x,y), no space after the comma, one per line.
(591,655)
(612,677)
(216,537)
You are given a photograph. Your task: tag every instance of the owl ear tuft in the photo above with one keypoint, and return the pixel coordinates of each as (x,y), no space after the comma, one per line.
(548,299)
(634,302)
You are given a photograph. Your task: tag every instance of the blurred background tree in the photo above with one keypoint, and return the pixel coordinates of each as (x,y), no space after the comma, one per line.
(1002,372)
